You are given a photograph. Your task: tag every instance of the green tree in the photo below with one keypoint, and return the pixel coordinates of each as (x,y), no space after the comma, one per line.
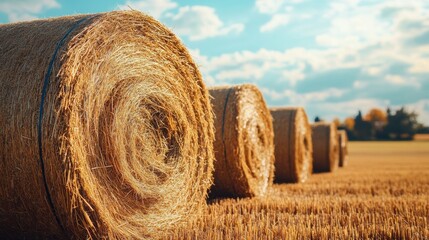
(363,129)
(378,119)
(402,125)
(318,119)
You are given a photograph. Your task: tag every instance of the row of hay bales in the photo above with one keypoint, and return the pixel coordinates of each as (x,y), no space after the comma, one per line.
(107,130)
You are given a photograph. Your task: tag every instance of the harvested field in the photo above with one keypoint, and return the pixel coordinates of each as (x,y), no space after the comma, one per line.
(383,193)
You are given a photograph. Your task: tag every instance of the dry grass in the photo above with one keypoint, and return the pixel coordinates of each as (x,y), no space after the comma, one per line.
(383,193)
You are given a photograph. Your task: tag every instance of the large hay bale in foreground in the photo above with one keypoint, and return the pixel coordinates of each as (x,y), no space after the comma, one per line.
(343,142)
(118,144)
(292,144)
(244,150)
(325,147)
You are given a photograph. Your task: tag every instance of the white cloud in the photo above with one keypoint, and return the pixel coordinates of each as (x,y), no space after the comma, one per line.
(402,81)
(268,6)
(331,110)
(273,6)
(200,59)
(281,12)
(318,104)
(378,33)
(294,75)
(357,37)
(352,30)
(287,66)
(420,66)
(25,9)
(246,71)
(276,21)
(359,84)
(19,17)
(374,70)
(421,107)
(323,95)
(294,59)
(155,8)
(201,22)
(195,22)
(303,99)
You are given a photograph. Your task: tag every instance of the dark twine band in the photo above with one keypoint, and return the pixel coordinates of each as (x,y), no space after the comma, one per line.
(223,136)
(290,139)
(40,120)
(224,113)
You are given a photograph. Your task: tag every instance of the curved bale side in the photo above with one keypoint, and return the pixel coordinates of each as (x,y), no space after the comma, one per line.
(244,149)
(292,144)
(112,138)
(325,147)
(343,148)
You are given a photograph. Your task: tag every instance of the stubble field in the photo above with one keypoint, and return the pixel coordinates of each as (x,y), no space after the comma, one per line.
(383,193)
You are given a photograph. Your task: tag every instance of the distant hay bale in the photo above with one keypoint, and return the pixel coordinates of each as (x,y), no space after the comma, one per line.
(118,144)
(343,148)
(244,150)
(325,147)
(292,144)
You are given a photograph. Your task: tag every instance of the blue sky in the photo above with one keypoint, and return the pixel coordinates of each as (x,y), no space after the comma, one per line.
(332,57)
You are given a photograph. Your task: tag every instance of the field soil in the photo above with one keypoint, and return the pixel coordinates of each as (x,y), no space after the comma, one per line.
(383,193)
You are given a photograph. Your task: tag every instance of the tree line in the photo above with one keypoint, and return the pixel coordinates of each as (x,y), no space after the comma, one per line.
(377,124)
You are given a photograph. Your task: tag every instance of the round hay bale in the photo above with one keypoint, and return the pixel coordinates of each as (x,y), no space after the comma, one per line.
(325,147)
(244,149)
(292,144)
(105,129)
(343,149)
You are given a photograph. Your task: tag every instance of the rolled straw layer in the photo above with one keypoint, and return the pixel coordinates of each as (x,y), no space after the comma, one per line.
(325,147)
(292,144)
(244,149)
(125,128)
(343,149)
